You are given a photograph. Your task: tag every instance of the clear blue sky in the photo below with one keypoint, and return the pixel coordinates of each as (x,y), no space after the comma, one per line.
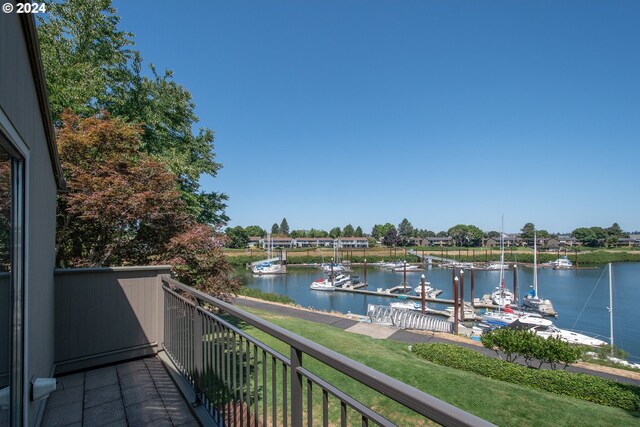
(443,112)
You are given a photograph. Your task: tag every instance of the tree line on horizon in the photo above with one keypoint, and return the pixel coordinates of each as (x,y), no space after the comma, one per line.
(390,235)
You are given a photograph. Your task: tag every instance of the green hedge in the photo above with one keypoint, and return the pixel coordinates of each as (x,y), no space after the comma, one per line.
(581,386)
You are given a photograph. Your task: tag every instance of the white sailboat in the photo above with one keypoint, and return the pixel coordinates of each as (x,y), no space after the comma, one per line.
(532,300)
(502,296)
(269,266)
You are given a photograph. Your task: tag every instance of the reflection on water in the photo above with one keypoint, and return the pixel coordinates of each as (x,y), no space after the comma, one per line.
(581,297)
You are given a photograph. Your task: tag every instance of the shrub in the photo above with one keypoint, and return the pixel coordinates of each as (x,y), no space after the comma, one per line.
(581,386)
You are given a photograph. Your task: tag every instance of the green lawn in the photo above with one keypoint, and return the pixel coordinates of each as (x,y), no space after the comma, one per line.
(501,403)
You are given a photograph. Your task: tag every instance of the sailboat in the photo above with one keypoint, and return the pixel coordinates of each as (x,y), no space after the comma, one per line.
(335,266)
(532,300)
(269,265)
(502,296)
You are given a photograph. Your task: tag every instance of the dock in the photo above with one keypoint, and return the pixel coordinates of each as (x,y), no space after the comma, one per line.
(389,294)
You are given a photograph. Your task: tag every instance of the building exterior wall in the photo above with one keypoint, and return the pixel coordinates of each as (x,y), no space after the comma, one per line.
(20,103)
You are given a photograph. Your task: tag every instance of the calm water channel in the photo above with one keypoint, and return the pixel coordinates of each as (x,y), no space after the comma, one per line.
(580,297)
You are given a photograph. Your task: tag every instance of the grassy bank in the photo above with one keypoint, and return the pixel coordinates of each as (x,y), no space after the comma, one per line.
(501,403)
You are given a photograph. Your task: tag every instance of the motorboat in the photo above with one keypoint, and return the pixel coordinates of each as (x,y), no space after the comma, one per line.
(429,291)
(566,335)
(496,266)
(322,285)
(406,267)
(508,316)
(560,263)
(405,305)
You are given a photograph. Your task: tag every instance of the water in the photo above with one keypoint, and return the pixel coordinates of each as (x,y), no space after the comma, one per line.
(581,297)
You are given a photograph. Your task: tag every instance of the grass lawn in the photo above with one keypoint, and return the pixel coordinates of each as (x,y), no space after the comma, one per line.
(501,403)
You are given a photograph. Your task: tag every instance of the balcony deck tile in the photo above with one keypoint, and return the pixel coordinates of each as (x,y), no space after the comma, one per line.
(134,393)
(101,395)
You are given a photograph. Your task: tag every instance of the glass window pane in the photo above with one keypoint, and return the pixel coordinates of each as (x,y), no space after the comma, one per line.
(5,284)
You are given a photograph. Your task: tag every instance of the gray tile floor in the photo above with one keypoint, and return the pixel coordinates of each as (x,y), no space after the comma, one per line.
(135,393)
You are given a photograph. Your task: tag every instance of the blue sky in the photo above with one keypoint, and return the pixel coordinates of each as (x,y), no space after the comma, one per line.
(443,112)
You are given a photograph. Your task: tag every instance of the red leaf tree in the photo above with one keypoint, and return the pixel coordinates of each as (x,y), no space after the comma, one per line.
(123,207)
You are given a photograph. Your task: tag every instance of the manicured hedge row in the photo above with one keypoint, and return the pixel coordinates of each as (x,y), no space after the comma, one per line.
(581,386)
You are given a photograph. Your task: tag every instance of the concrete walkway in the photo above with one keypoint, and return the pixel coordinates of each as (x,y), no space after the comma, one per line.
(135,393)
(401,335)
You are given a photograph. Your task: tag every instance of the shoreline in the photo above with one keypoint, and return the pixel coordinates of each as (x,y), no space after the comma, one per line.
(453,339)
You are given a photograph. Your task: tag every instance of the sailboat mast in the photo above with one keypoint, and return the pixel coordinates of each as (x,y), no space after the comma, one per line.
(535,264)
(502,253)
(611,305)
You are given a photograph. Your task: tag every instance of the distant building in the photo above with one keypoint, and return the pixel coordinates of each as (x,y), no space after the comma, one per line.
(438,241)
(632,241)
(314,242)
(254,241)
(277,242)
(352,242)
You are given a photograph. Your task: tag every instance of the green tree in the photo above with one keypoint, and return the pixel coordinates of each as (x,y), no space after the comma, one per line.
(90,67)
(317,233)
(466,235)
(405,231)
(335,232)
(442,234)
(348,231)
(358,232)
(527,232)
(592,236)
(84,54)
(284,227)
(255,231)
(275,229)
(237,237)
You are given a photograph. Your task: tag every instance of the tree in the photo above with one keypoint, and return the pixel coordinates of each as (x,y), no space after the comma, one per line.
(527,232)
(275,229)
(284,227)
(466,235)
(255,231)
(317,233)
(593,236)
(391,237)
(405,231)
(237,237)
(493,235)
(335,232)
(348,231)
(121,205)
(358,232)
(84,54)
(198,261)
(90,67)
(442,234)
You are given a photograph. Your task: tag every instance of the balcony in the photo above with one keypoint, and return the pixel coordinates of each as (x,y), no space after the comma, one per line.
(140,332)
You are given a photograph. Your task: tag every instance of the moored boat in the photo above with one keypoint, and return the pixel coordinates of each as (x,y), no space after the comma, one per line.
(322,285)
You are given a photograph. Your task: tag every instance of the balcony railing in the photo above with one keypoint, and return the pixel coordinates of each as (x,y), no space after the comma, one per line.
(242,381)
